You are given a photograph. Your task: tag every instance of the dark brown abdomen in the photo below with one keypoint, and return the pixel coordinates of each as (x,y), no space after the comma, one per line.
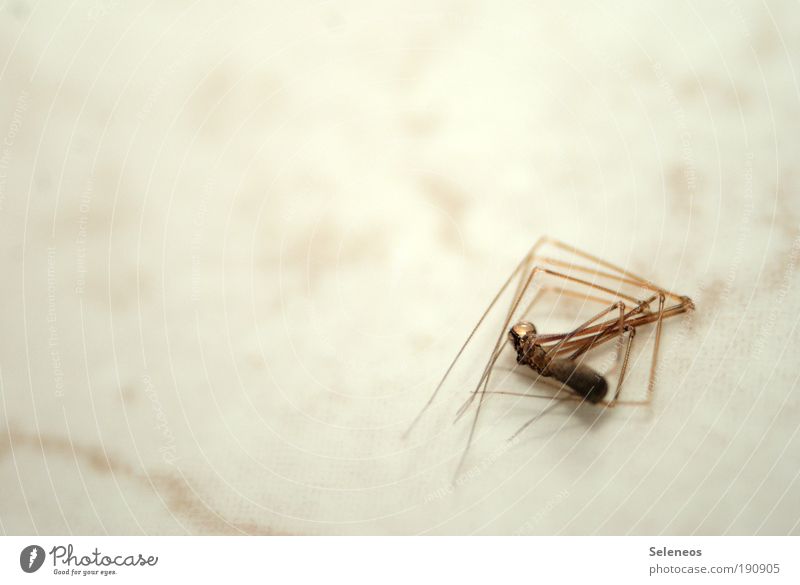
(583,380)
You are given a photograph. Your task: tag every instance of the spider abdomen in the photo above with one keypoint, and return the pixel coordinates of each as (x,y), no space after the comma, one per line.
(583,380)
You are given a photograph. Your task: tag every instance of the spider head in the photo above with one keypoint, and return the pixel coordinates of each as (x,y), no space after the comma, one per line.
(522,336)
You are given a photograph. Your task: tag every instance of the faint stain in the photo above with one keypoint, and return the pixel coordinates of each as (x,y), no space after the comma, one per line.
(449,198)
(766,41)
(127,394)
(19,10)
(422,123)
(178,493)
(681,181)
(780,212)
(328,247)
(714,90)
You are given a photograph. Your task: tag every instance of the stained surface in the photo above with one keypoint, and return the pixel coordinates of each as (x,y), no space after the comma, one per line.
(239,248)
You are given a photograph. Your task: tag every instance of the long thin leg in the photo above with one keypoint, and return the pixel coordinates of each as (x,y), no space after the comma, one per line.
(580,253)
(620,306)
(606,333)
(622,329)
(502,340)
(625,278)
(518,269)
(654,363)
(601,332)
(565,338)
(490,366)
(523,284)
(534,419)
(614,401)
(633,278)
(495,354)
(631,334)
(569,396)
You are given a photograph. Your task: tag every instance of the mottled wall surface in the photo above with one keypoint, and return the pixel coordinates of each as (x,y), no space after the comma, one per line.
(241,243)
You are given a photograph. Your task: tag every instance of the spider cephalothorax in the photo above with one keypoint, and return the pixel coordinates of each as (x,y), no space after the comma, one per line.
(582,379)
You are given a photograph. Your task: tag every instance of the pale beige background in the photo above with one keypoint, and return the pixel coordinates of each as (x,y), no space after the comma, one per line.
(241,242)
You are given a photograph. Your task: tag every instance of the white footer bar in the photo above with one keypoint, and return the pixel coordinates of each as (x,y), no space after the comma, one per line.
(400,560)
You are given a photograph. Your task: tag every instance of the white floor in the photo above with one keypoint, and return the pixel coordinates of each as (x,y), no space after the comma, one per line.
(241,245)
